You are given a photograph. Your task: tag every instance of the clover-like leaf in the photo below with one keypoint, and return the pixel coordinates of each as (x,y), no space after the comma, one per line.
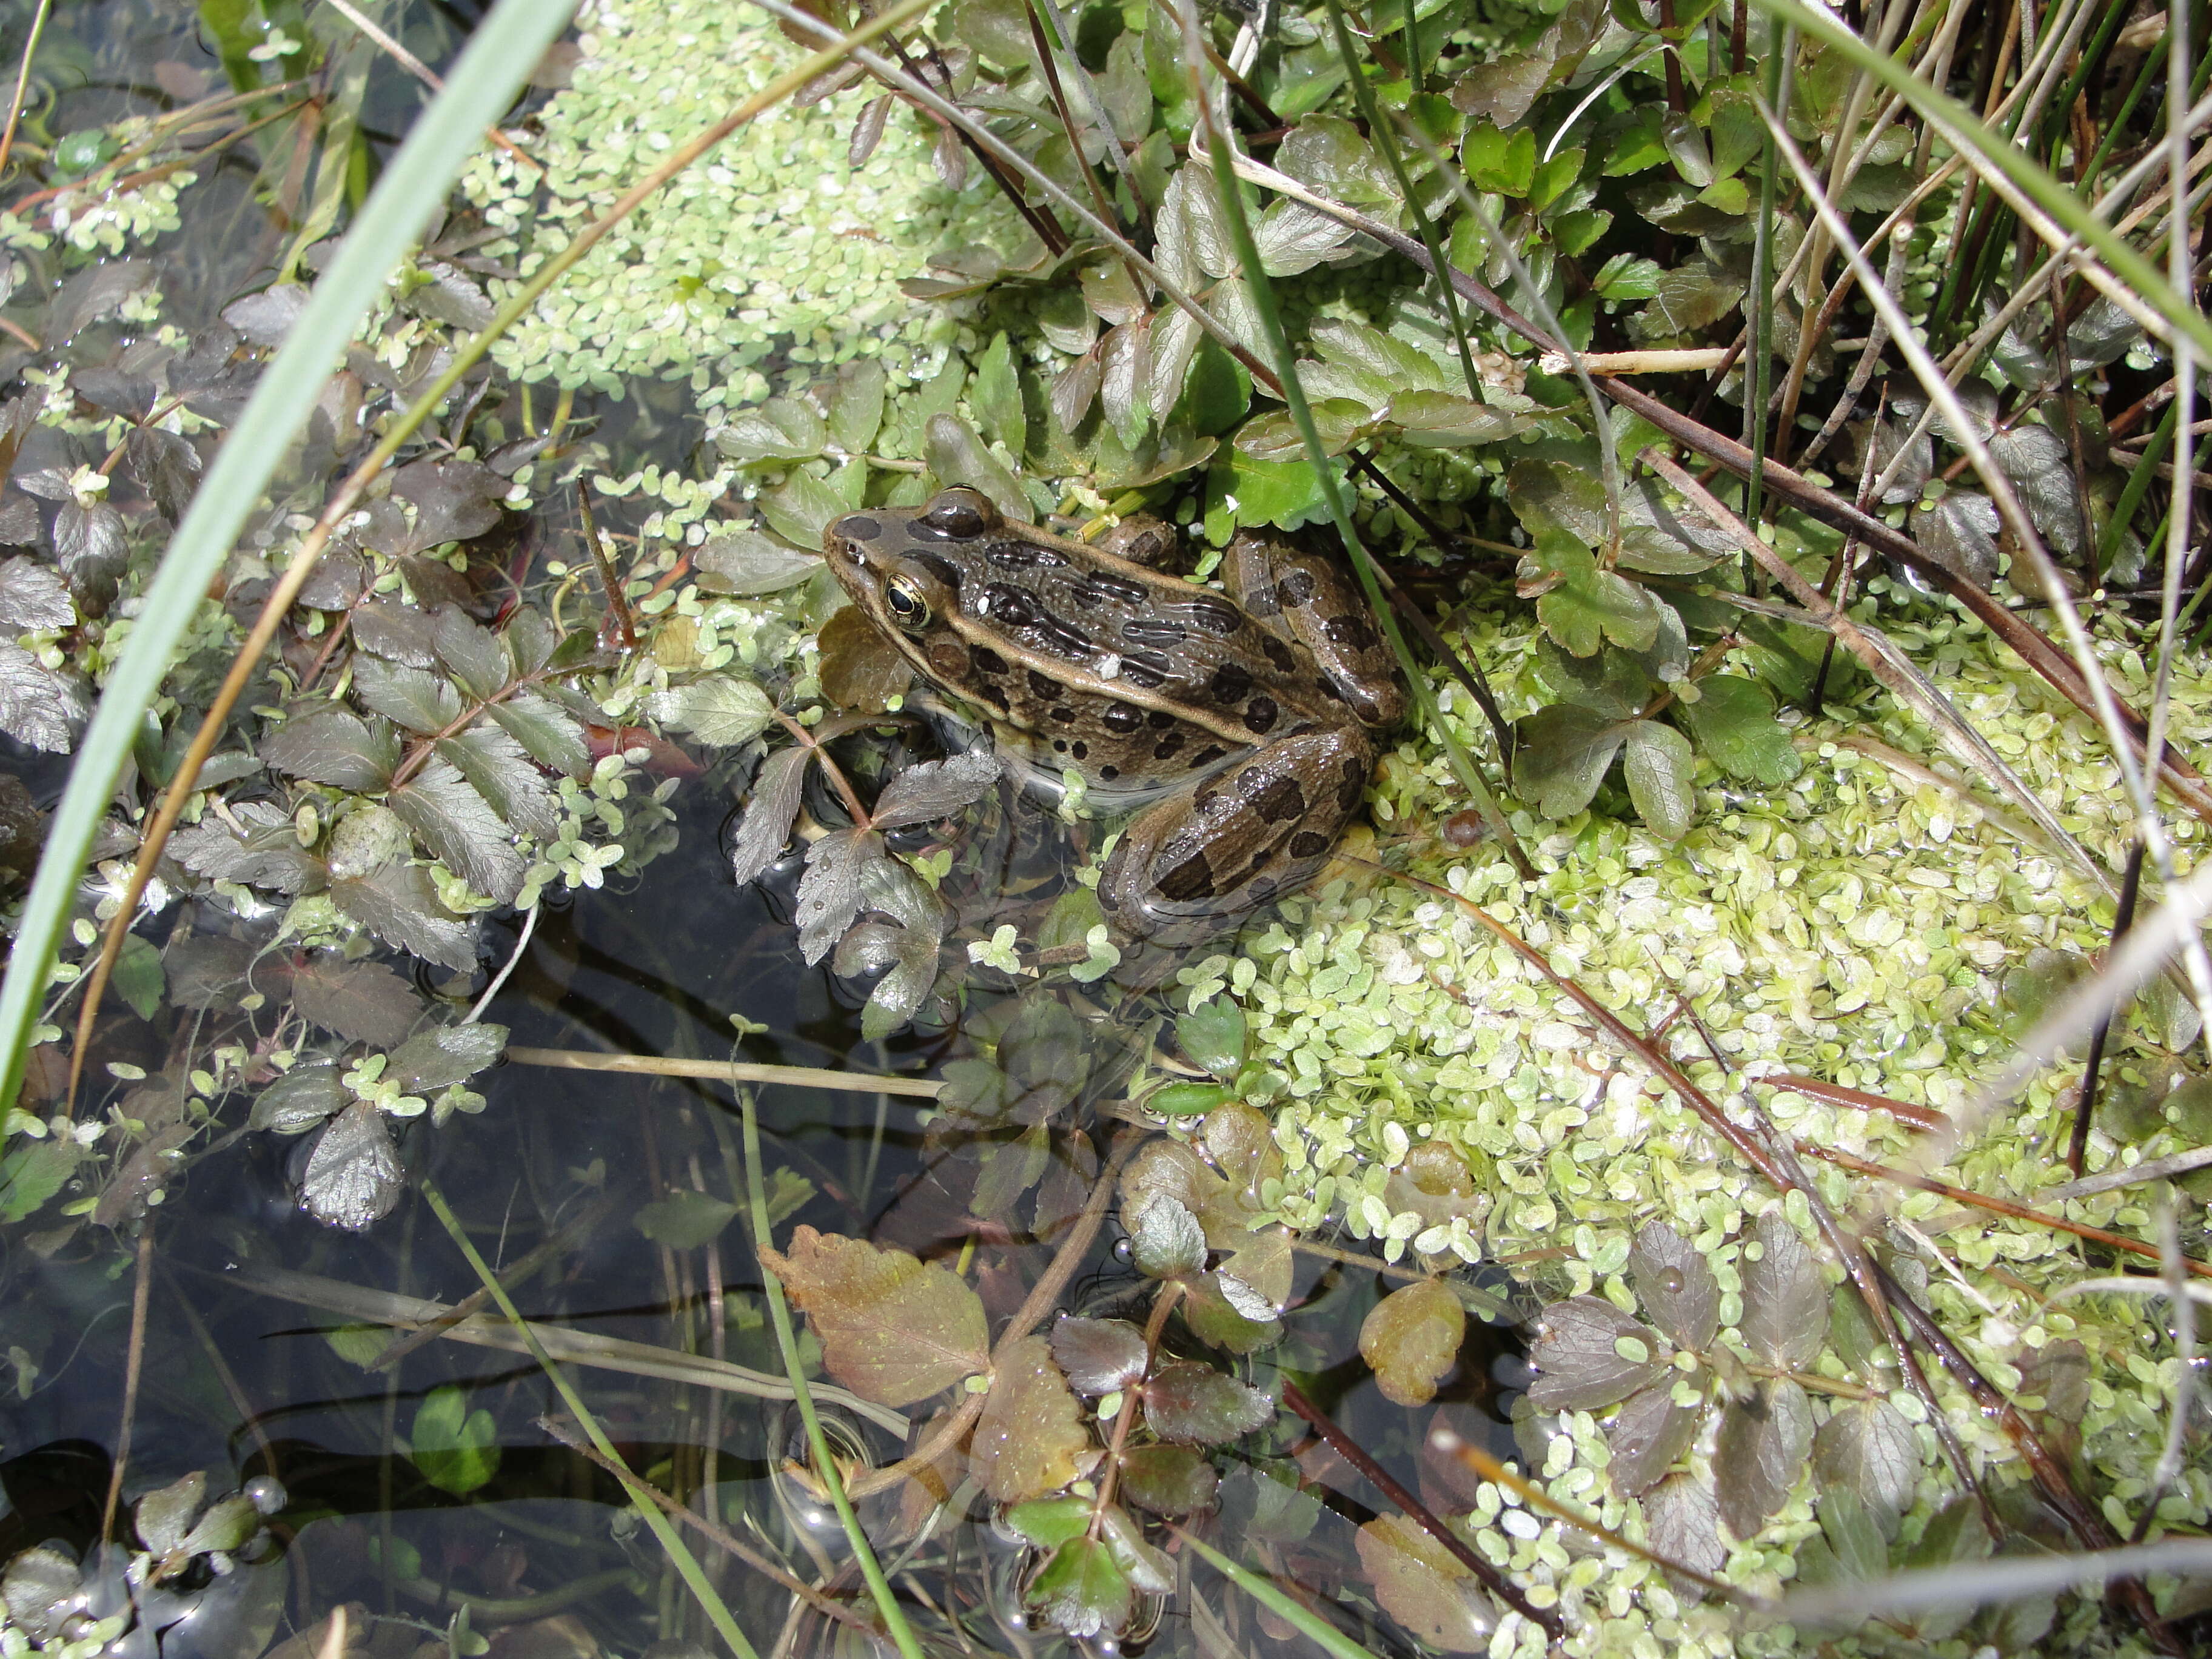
(1165,1240)
(1675,1284)
(893,1330)
(1215,1036)
(935,789)
(1765,1437)
(1030,1439)
(334,746)
(1786,1300)
(1195,1404)
(362,1002)
(1589,1355)
(444,1055)
(1098,1355)
(456,1448)
(163,1517)
(1168,1479)
(354,1177)
(1411,1338)
(1425,1586)
(1734,721)
(1081,1590)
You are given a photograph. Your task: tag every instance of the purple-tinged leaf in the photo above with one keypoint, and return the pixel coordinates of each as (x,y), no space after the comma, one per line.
(1786,1300)
(1195,1404)
(1098,1355)
(1648,1433)
(354,1177)
(362,1002)
(1765,1439)
(1676,1286)
(1589,1355)
(1168,1479)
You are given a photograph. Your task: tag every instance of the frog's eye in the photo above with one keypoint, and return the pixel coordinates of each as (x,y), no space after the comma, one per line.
(908,608)
(961,512)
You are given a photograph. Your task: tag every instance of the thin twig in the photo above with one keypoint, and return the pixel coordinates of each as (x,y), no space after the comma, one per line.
(134,1364)
(23,82)
(729,1071)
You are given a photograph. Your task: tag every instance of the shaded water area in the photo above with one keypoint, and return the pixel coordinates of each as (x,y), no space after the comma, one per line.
(430,1492)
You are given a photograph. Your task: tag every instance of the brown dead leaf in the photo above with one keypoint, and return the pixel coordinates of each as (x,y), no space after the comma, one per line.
(892,1329)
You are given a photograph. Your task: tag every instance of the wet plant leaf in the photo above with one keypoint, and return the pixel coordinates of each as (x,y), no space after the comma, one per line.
(720,710)
(444,1055)
(549,735)
(453,502)
(910,956)
(398,905)
(362,1002)
(301,1098)
(33,597)
(892,1329)
(1648,1433)
(354,1177)
(1564,754)
(265,318)
(1960,532)
(935,789)
(781,429)
(269,855)
(747,564)
(1734,721)
(1868,1448)
(1081,1590)
(1681,1522)
(456,1448)
(1411,1338)
(138,979)
(1168,1479)
(1786,1300)
(1098,1355)
(1165,1240)
(1214,1035)
(957,456)
(1765,1439)
(1589,1355)
(413,697)
(471,653)
(2034,458)
(500,770)
(1658,767)
(457,824)
(829,893)
(685,1219)
(1425,1586)
(1195,1404)
(39,706)
(334,746)
(856,406)
(1675,1285)
(1031,1436)
(396,631)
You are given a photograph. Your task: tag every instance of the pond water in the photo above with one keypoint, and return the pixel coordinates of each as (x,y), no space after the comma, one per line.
(425,1495)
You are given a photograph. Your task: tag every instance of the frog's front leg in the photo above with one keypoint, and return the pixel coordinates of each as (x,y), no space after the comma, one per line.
(1207,853)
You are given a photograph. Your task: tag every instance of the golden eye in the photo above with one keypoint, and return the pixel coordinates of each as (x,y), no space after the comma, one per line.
(908,608)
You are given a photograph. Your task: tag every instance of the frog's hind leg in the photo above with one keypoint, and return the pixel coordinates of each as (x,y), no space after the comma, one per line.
(1186,869)
(1300,591)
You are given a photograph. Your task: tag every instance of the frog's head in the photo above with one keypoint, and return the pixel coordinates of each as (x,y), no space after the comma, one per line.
(903,566)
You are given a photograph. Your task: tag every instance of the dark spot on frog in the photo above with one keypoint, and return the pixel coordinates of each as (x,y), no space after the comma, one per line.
(1230,684)
(1168,747)
(1060,746)
(1159,719)
(1215,616)
(1207,755)
(1011,607)
(1121,719)
(1366,709)
(1098,588)
(1278,799)
(1081,751)
(985,660)
(1281,655)
(1064,714)
(1259,713)
(1259,862)
(1353,633)
(1109,773)
(1191,879)
(1354,785)
(948,659)
(1023,556)
(1307,844)
(857,528)
(1261,891)
(1142,632)
(1147,670)
(1043,685)
(1295,589)
(943,570)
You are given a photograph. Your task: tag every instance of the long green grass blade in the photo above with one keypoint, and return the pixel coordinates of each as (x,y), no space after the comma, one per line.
(483,81)
(1321,1634)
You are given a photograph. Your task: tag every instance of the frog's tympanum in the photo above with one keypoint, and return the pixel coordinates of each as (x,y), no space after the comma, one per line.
(1241,730)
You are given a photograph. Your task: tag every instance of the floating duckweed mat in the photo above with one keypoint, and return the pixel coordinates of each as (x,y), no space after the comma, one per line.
(773,246)
(1875,924)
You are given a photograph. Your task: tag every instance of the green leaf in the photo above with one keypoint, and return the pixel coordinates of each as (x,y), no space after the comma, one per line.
(995,395)
(1733,719)
(1500,163)
(138,978)
(1214,1035)
(1551,180)
(32,1172)
(1564,754)
(1049,1522)
(856,407)
(444,1055)
(1274,438)
(957,456)
(456,1448)
(1627,276)
(1590,606)
(685,1219)
(799,507)
(781,429)
(1168,1479)
(1195,1404)
(1241,491)
(1186,1099)
(722,710)
(1658,767)
(1080,1590)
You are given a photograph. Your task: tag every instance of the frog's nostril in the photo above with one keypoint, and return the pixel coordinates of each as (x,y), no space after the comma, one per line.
(857,526)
